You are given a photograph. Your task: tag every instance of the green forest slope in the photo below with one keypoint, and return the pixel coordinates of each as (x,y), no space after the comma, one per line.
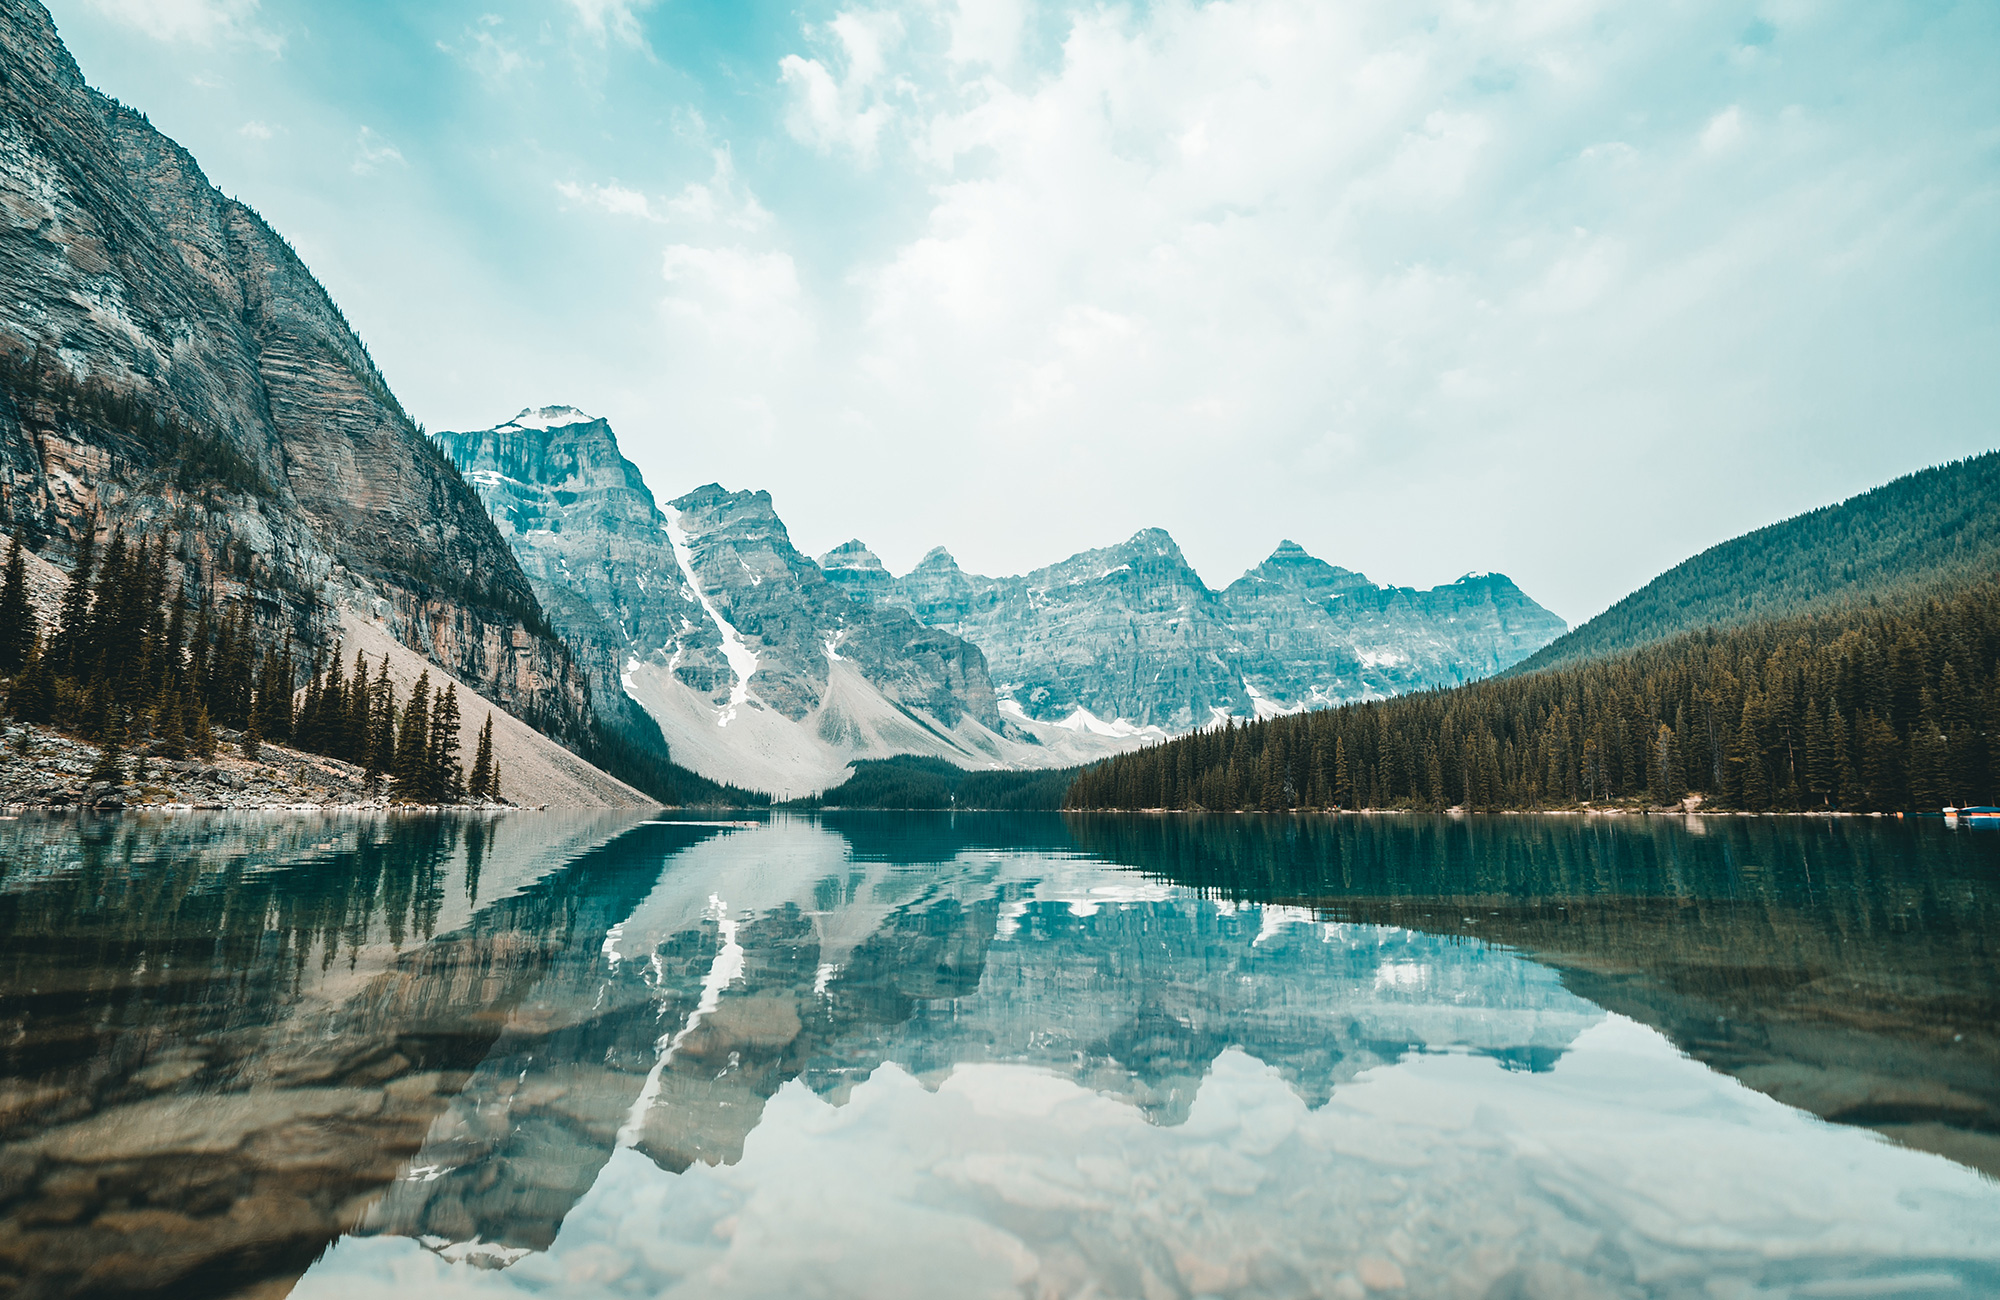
(1926,532)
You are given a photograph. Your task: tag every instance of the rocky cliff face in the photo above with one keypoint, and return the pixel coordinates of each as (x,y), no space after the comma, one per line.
(594,545)
(172,366)
(1128,632)
(1129,635)
(744,563)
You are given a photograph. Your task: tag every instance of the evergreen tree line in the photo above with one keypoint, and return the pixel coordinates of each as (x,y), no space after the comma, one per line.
(1862,710)
(132,660)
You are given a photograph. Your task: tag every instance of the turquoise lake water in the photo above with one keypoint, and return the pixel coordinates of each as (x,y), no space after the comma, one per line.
(984,1055)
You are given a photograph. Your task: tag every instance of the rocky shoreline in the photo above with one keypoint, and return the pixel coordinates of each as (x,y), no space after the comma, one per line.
(43,768)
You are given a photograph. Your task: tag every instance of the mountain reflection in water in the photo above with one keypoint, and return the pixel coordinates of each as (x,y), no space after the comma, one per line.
(880,1055)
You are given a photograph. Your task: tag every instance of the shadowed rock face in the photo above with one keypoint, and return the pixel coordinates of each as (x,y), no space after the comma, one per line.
(1131,631)
(121,265)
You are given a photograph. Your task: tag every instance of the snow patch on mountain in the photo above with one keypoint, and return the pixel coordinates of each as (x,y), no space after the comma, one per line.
(854,720)
(1263,706)
(741,658)
(1082,719)
(548,417)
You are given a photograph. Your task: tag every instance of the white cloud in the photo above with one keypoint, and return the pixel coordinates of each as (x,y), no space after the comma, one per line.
(255,130)
(722,202)
(486,49)
(846,110)
(736,297)
(1723,132)
(987,31)
(613,198)
(197,22)
(371,151)
(613,19)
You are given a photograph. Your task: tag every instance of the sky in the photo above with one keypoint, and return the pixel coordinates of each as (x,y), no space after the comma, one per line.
(1564,289)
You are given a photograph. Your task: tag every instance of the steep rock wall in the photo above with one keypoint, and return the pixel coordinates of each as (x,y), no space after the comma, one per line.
(174,367)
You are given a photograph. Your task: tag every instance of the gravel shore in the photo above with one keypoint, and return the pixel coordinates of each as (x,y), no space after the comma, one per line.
(40,768)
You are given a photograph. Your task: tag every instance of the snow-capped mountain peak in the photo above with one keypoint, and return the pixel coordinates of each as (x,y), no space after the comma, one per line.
(549,417)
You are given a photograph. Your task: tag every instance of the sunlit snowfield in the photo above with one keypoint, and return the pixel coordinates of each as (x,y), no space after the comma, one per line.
(991,1056)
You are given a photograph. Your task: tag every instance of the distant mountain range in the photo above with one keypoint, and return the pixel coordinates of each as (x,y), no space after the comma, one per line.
(1130,632)
(702,623)
(765,669)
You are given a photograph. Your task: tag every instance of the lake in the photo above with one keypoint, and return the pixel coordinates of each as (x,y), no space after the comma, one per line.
(987,1055)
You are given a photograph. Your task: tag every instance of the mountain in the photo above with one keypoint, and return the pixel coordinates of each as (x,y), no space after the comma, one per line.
(1130,637)
(585,529)
(1322,634)
(168,365)
(721,636)
(1936,529)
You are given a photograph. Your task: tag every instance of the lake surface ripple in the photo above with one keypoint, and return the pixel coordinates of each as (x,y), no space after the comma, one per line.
(1020,1056)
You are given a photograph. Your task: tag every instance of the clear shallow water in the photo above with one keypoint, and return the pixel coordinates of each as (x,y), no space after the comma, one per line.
(1030,1056)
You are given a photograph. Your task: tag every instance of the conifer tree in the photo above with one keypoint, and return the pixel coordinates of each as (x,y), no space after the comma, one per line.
(493,786)
(446,778)
(102,646)
(110,755)
(173,727)
(173,645)
(262,712)
(411,765)
(382,727)
(306,725)
(33,697)
(279,718)
(73,619)
(359,735)
(17,617)
(201,736)
(482,762)
(253,740)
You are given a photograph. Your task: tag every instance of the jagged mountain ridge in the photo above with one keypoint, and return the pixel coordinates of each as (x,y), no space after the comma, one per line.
(755,668)
(174,367)
(1130,634)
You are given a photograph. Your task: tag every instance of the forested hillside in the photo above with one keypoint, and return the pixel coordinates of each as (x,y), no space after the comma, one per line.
(1860,709)
(1932,530)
